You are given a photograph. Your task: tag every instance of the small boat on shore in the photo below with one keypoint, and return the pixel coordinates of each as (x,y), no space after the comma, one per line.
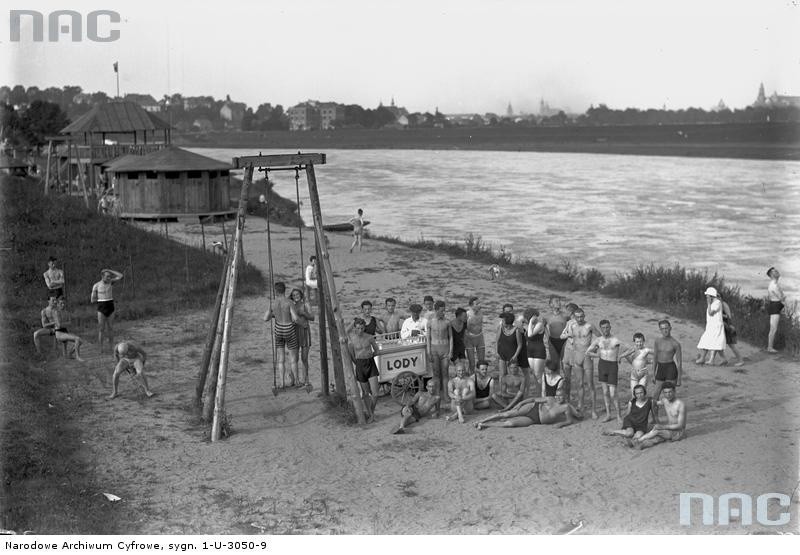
(346,226)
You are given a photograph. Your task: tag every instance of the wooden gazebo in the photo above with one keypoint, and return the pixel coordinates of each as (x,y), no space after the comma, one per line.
(171,183)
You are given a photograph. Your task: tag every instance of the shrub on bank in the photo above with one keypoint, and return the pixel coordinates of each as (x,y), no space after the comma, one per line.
(676,290)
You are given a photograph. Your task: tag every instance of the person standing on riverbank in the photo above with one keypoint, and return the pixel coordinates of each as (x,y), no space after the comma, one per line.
(358,230)
(775,303)
(713,338)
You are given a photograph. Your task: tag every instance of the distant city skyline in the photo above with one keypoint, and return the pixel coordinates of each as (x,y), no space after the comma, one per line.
(462,57)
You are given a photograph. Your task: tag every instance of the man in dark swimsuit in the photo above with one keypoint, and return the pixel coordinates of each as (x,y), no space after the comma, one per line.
(667,355)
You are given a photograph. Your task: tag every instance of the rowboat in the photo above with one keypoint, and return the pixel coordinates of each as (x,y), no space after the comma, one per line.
(346,226)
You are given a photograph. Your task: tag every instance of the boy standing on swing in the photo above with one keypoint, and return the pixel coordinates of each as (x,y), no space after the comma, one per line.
(284,332)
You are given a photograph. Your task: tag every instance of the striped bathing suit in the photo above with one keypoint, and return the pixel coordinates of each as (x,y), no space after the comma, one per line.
(286,335)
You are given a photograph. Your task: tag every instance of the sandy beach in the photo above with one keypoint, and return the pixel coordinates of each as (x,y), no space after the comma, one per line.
(293,467)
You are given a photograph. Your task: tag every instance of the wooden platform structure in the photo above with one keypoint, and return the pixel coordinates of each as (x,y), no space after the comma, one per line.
(170,184)
(82,147)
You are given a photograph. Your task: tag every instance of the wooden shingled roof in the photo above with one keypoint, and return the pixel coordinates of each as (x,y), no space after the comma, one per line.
(170,158)
(116,117)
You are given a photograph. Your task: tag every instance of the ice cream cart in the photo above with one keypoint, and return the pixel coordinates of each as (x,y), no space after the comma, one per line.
(402,363)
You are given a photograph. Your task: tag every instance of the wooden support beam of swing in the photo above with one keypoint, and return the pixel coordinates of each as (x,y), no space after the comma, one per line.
(332,299)
(274,161)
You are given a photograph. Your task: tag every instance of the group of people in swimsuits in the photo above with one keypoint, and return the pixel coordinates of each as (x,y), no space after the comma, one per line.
(537,357)
(129,355)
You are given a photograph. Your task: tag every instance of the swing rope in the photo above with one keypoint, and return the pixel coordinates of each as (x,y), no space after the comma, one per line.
(299,223)
(271,288)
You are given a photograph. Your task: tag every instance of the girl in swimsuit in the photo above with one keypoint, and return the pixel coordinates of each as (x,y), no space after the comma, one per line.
(303,330)
(537,339)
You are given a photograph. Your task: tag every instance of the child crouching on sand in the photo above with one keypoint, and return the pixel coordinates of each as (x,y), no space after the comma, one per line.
(422,404)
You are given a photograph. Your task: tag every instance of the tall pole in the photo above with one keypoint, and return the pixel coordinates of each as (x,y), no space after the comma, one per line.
(323,343)
(47,173)
(219,401)
(344,361)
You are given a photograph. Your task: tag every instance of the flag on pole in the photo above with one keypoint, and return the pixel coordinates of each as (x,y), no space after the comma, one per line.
(116,67)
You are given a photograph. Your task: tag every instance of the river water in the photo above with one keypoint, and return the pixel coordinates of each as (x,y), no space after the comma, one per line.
(612,212)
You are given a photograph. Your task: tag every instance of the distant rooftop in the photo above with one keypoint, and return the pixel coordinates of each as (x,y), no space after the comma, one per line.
(116,117)
(170,158)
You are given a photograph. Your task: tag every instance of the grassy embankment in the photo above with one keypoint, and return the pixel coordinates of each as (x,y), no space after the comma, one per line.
(45,486)
(676,291)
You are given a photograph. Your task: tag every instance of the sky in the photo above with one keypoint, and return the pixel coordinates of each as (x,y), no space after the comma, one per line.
(464,56)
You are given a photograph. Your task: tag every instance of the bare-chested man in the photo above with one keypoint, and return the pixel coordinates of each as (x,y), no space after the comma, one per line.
(673,430)
(473,338)
(103,296)
(440,346)
(640,358)
(63,335)
(362,349)
(357,222)
(285,332)
(427,307)
(130,357)
(579,333)
(424,403)
(539,410)
(49,324)
(667,355)
(462,392)
(606,348)
(568,349)
(776,300)
(511,387)
(392,320)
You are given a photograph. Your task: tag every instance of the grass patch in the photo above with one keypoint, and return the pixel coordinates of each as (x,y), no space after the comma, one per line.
(48,487)
(676,290)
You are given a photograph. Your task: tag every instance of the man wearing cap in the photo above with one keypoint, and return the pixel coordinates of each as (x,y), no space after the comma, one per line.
(414,326)
(713,338)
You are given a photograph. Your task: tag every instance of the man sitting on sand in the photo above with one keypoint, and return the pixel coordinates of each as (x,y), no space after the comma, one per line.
(63,335)
(48,318)
(424,403)
(673,430)
(130,358)
(606,348)
(540,410)
(462,392)
(637,418)
(511,390)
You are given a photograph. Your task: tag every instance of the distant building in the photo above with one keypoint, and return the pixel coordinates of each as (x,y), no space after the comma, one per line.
(232,113)
(304,116)
(194,102)
(146,101)
(545,110)
(775,100)
(329,112)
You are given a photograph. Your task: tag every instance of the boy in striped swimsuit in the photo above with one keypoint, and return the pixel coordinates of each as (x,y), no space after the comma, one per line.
(284,332)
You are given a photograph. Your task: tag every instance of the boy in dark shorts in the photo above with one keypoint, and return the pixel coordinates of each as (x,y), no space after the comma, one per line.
(362,349)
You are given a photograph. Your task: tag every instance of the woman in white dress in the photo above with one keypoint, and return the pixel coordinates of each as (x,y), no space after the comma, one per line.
(713,339)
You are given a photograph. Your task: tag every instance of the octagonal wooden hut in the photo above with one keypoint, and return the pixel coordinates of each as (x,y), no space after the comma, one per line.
(171,183)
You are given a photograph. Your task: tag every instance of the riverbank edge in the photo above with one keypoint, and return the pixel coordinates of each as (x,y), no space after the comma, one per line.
(675,291)
(764,141)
